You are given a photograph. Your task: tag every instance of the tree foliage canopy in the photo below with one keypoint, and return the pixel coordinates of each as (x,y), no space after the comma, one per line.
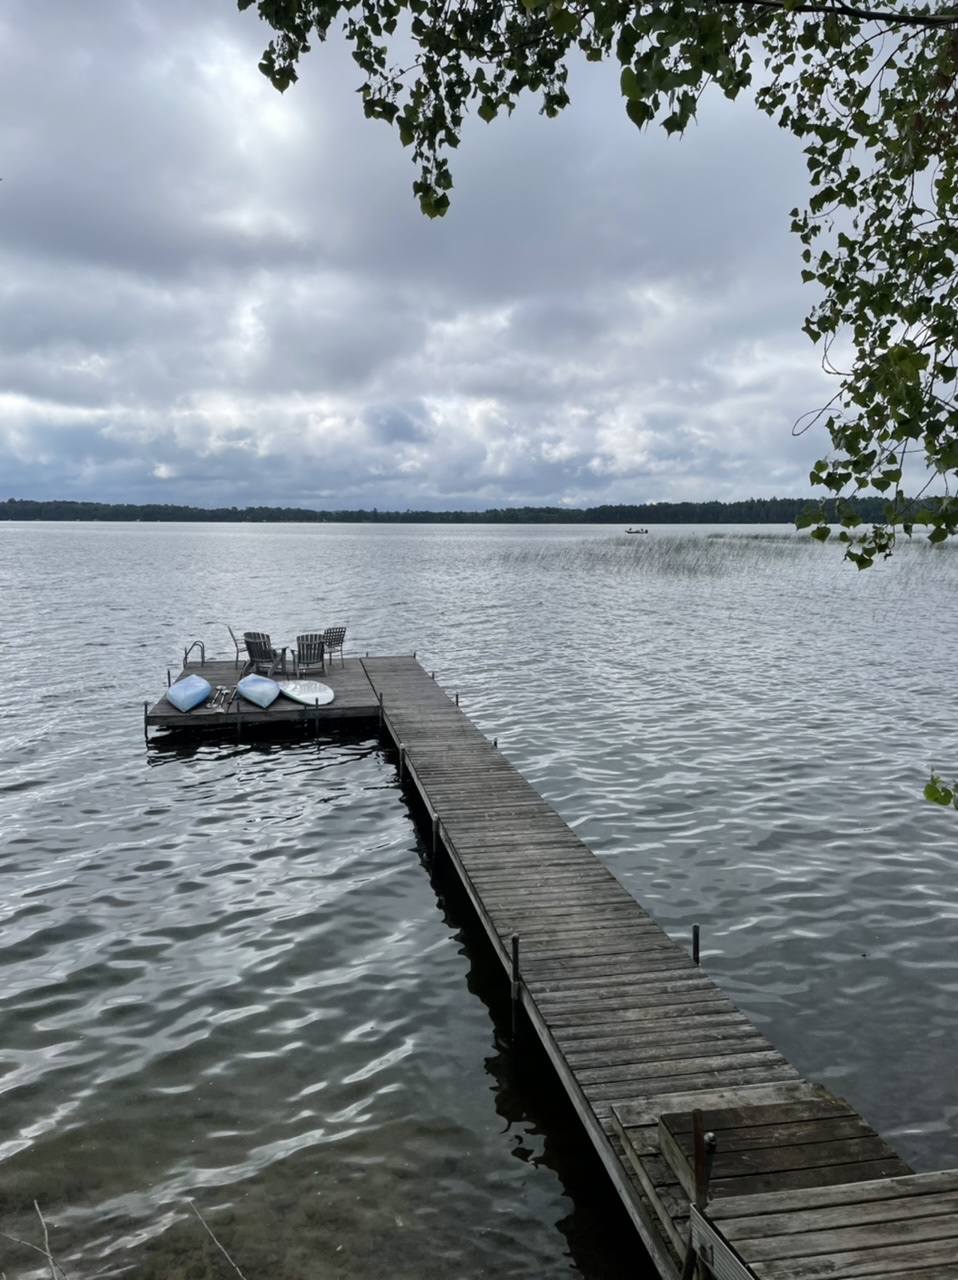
(871,93)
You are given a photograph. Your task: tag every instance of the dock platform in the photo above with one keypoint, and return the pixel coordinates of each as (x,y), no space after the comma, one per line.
(353,700)
(647,1047)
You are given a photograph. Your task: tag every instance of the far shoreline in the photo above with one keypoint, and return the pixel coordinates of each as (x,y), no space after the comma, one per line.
(747,511)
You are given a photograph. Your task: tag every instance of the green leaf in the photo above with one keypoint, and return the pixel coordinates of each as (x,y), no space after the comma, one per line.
(640,113)
(565,22)
(630,85)
(937,792)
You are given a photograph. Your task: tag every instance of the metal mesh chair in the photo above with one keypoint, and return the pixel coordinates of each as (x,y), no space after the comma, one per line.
(309,652)
(261,656)
(238,644)
(333,638)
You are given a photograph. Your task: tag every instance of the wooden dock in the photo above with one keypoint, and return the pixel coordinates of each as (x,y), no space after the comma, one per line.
(647,1046)
(801,1188)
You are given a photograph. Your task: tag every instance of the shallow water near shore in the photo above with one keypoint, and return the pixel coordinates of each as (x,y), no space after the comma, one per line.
(228,977)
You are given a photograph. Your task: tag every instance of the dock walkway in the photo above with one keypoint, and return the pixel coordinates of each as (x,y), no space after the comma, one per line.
(802,1188)
(648,1048)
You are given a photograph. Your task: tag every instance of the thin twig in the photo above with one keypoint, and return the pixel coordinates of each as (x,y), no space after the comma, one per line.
(46,1242)
(36,1249)
(215,1241)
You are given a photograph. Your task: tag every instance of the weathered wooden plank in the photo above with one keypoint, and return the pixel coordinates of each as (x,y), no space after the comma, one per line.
(639,1114)
(679,1062)
(651,999)
(858,1160)
(537,925)
(492,866)
(779,1137)
(543,869)
(847,1197)
(657,960)
(816,1175)
(511,867)
(542,877)
(582,956)
(609,1051)
(659,1023)
(877,1236)
(866,1264)
(755,1119)
(770,1226)
(470,834)
(476,841)
(660,981)
(480,805)
(614,934)
(589,1024)
(511,811)
(618,1091)
(579,930)
(558,900)
(588,970)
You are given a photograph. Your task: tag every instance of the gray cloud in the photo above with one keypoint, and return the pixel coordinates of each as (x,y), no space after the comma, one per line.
(216,295)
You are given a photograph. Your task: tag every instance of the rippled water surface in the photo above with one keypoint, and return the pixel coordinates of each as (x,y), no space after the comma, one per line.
(228,977)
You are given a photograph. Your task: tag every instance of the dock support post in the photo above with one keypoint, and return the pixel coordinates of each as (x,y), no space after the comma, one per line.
(457,699)
(146,732)
(435,835)
(169,678)
(402,761)
(703,1156)
(380,708)
(516,989)
(695,943)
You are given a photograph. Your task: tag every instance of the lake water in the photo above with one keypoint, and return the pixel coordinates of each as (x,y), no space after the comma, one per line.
(226,975)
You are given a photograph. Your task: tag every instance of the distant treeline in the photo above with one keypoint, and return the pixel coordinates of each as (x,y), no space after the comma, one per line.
(752,511)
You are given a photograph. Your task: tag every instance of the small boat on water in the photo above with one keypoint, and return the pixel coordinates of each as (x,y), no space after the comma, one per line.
(636,530)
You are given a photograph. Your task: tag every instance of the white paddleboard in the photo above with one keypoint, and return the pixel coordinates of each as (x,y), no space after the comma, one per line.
(308,692)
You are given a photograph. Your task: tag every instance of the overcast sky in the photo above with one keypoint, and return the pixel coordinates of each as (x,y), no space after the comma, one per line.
(216,295)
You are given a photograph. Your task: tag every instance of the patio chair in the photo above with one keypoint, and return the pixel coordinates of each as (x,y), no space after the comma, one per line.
(261,656)
(309,652)
(238,644)
(333,638)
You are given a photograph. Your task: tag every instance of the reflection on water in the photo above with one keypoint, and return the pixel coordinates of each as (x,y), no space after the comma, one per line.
(226,974)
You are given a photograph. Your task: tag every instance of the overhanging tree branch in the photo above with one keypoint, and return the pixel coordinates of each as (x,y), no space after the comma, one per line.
(878,121)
